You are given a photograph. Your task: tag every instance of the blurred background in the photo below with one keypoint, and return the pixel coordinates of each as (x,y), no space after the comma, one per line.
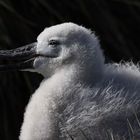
(115,22)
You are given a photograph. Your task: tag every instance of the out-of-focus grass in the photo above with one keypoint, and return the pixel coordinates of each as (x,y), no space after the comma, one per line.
(116,22)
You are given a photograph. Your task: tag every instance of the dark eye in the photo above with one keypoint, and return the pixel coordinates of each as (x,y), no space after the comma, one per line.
(54,42)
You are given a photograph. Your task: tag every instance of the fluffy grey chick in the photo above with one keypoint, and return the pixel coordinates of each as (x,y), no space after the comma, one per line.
(80,97)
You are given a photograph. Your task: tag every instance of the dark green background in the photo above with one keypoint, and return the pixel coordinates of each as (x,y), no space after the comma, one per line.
(116,22)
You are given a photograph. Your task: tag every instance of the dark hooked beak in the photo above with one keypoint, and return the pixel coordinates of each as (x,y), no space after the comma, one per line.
(18,59)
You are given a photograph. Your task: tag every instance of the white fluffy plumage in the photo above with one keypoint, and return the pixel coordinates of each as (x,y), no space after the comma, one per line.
(81,97)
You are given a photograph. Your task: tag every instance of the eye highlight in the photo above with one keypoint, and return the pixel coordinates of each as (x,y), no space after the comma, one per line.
(53,42)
